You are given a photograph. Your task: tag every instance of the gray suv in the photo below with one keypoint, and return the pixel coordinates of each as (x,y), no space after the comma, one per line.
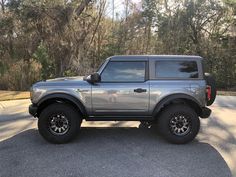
(169,91)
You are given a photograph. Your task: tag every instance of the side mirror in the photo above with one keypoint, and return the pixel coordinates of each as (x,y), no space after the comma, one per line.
(93,78)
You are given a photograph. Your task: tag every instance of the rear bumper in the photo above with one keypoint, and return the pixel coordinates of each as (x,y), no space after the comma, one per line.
(33,110)
(205,112)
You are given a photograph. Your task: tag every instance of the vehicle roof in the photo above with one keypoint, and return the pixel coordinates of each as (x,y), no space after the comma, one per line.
(146,57)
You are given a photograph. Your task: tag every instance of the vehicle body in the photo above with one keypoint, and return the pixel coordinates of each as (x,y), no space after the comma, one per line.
(127,88)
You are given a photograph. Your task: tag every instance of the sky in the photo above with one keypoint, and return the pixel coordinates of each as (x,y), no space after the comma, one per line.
(119,7)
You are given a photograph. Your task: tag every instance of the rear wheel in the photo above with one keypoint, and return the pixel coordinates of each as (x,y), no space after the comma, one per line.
(179,124)
(59,123)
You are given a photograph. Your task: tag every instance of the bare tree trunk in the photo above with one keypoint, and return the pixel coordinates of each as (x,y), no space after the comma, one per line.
(148,36)
(167,7)
(81,7)
(3,6)
(101,11)
(126,9)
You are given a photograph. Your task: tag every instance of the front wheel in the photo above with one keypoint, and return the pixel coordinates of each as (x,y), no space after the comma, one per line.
(179,124)
(59,123)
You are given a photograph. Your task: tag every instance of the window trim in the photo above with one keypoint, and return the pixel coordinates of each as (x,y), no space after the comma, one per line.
(175,78)
(146,76)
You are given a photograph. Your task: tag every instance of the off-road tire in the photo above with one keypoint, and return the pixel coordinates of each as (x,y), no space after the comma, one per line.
(164,124)
(74,122)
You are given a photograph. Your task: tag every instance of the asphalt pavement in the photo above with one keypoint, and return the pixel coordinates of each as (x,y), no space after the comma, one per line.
(117,148)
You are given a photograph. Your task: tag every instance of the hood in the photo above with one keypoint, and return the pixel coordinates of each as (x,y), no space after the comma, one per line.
(62,81)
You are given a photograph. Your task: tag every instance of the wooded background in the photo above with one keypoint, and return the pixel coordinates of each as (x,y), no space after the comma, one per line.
(42,39)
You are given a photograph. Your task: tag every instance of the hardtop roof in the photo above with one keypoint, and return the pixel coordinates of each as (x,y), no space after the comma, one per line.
(146,57)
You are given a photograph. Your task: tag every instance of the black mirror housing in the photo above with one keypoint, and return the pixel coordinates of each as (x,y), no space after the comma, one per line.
(93,78)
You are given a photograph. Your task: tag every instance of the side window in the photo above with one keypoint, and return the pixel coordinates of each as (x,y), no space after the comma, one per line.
(176,69)
(124,71)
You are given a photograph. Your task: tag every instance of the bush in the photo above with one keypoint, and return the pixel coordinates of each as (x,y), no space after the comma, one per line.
(21,75)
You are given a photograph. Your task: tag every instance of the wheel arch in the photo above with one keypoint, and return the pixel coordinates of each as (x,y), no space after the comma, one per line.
(178,98)
(60,98)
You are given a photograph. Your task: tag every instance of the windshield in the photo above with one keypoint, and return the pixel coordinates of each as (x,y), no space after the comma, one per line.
(101,66)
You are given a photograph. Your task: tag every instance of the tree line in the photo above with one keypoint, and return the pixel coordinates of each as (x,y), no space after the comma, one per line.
(41,39)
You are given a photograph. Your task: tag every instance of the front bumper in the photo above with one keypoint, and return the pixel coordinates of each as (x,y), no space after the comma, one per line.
(33,109)
(205,112)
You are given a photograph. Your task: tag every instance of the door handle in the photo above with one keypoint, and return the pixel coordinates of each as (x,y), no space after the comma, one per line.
(140,90)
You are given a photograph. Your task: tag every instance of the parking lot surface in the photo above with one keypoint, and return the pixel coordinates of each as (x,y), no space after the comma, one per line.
(117,148)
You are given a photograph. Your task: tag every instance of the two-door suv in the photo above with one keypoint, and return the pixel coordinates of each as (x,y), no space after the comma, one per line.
(170,91)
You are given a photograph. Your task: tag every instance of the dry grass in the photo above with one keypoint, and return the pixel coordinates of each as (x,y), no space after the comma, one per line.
(13,95)
(226,93)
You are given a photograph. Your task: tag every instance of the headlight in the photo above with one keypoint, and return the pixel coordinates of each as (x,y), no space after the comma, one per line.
(31,92)
(35,93)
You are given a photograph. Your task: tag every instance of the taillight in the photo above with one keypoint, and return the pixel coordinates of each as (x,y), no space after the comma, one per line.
(208,92)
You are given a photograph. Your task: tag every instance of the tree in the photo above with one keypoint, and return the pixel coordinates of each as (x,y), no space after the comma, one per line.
(72,37)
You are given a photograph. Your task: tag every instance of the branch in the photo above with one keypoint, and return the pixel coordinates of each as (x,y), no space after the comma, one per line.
(2,3)
(226,29)
(101,11)
(207,20)
(81,7)
(208,32)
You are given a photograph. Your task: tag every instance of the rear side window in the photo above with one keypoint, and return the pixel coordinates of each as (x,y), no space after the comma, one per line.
(119,71)
(176,69)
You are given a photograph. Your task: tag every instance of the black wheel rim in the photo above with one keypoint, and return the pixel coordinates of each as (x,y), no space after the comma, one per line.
(180,124)
(58,124)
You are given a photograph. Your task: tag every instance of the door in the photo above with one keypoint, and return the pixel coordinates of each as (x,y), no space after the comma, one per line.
(123,90)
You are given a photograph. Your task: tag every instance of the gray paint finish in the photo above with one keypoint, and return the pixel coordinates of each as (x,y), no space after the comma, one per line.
(111,98)
(75,87)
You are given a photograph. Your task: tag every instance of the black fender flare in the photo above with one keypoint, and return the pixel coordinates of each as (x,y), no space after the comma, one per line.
(63,96)
(178,96)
